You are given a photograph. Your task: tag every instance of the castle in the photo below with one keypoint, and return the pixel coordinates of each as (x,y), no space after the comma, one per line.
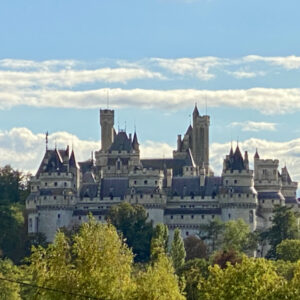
(180,192)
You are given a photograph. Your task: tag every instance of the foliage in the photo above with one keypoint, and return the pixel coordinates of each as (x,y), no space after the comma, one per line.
(194,248)
(159,242)
(283,268)
(284,226)
(158,282)
(212,232)
(131,221)
(97,264)
(177,251)
(223,257)
(288,250)
(13,192)
(193,271)
(237,236)
(250,279)
(9,290)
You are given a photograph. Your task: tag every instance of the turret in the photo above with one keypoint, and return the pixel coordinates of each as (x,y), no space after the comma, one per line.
(135,143)
(238,198)
(107,128)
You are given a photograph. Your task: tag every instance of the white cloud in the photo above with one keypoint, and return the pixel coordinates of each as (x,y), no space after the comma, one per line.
(70,78)
(254,126)
(199,67)
(245,74)
(287,62)
(266,100)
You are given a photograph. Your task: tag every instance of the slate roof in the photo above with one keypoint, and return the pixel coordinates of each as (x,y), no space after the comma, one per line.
(270,195)
(121,143)
(192,211)
(115,186)
(291,200)
(190,186)
(89,190)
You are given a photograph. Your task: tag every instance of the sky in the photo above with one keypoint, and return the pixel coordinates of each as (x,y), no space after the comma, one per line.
(150,61)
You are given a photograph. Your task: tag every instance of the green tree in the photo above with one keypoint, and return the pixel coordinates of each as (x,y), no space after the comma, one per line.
(288,250)
(8,289)
(193,271)
(253,278)
(158,282)
(159,242)
(13,192)
(212,233)
(131,221)
(284,226)
(97,263)
(237,236)
(177,251)
(194,248)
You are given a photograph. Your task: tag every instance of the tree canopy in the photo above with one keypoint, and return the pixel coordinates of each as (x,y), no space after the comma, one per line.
(131,221)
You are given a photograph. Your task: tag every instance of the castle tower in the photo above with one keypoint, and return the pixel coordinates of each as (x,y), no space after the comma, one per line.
(107,128)
(200,139)
(238,197)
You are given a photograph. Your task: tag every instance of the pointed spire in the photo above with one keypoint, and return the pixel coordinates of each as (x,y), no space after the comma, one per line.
(231,152)
(195,112)
(72,160)
(246,156)
(68,151)
(135,143)
(256,154)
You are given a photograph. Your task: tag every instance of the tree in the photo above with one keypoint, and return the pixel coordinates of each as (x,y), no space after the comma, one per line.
(192,271)
(13,192)
(212,233)
(194,248)
(131,221)
(9,290)
(223,257)
(159,242)
(97,263)
(237,236)
(177,251)
(253,278)
(158,281)
(288,250)
(284,226)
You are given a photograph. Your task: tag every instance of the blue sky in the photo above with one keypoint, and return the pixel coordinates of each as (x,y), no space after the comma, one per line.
(155,58)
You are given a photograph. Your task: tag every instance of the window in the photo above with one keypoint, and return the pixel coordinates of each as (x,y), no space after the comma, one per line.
(182,216)
(54,197)
(99,217)
(58,216)
(79,218)
(187,233)
(151,196)
(141,196)
(229,216)
(155,182)
(212,216)
(146,182)
(171,217)
(202,216)
(134,182)
(55,183)
(192,216)
(235,181)
(65,184)
(46,183)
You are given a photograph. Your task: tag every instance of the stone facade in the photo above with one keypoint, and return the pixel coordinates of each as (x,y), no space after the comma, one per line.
(181,191)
